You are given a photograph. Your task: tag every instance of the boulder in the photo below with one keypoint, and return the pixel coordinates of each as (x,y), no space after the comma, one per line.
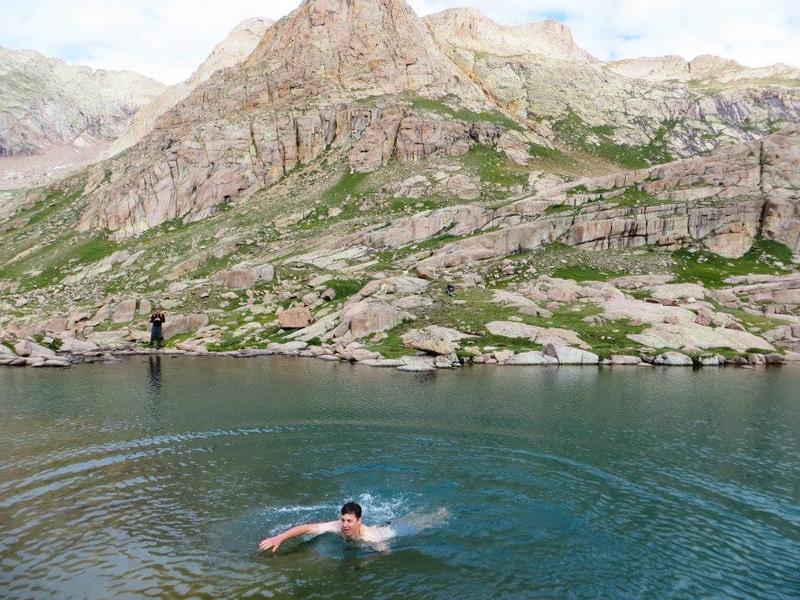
(428,341)
(145,308)
(75,345)
(124,312)
(237,278)
(622,359)
(328,295)
(29,349)
(288,348)
(534,357)
(103,313)
(295,318)
(681,335)
(368,316)
(534,333)
(501,356)
(180,324)
(673,359)
(57,362)
(383,362)
(676,291)
(55,326)
(570,356)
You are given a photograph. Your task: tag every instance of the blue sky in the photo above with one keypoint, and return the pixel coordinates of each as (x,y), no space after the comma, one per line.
(167,39)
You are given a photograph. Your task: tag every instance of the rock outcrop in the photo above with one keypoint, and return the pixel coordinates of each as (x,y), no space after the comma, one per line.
(722,201)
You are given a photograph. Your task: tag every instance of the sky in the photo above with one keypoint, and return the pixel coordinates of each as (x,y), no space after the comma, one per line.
(168,39)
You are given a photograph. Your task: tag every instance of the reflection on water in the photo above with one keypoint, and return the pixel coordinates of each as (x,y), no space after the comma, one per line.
(151,479)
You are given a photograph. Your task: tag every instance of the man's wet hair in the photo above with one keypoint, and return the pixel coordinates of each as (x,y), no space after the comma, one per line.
(352,508)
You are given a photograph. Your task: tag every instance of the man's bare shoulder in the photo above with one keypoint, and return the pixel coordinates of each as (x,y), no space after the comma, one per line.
(375,534)
(326,527)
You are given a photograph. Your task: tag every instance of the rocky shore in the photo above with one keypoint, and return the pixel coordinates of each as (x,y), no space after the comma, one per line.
(407,323)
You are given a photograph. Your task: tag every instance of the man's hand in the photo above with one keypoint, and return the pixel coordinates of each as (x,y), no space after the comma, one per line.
(273,542)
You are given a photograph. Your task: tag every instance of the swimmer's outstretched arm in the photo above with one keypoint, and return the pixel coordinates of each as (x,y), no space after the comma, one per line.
(275,541)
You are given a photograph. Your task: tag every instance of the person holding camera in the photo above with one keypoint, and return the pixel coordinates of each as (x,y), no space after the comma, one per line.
(156,332)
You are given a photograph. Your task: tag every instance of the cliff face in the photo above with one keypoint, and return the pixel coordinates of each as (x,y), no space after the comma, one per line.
(45,102)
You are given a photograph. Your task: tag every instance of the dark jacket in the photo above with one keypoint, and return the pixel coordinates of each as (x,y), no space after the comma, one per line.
(157,320)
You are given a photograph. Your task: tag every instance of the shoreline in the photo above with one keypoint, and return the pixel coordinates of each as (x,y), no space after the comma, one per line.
(420,362)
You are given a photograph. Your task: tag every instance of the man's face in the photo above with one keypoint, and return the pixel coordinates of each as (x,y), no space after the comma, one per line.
(350,525)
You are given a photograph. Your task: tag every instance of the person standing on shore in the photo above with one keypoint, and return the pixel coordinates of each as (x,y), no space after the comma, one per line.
(156,333)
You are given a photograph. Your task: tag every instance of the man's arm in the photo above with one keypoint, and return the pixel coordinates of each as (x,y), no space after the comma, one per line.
(275,541)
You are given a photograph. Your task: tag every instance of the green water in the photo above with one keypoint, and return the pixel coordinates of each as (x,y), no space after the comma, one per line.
(158,478)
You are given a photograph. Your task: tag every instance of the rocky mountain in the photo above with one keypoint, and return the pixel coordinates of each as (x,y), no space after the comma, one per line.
(56,118)
(319,196)
(45,102)
(237,46)
(313,83)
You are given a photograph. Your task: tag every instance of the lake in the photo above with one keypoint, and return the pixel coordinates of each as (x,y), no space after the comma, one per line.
(158,476)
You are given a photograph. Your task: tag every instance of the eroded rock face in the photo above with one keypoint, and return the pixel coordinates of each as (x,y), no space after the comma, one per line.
(723,201)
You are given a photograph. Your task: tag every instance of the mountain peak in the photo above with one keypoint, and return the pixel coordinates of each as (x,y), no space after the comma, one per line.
(355,47)
(469,29)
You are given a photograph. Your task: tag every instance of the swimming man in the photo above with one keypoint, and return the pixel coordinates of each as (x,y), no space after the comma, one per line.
(349,526)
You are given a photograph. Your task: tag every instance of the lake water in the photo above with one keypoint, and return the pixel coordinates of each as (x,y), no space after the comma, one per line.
(157,477)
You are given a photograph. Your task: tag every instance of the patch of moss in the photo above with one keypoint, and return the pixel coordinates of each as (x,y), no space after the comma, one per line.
(54,201)
(53,260)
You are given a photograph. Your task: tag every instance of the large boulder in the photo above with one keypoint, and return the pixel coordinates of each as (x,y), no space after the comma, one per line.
(124,312)
(295,318)
(77,345)
(681,335)
(29,349)
(534,333)
(677,291)
(434,339)
(368,316)
(237,278)
(570,356)
(534,357)
(673,359)
(180,324)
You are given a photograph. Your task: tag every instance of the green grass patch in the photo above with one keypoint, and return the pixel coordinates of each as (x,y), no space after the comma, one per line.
(53,261)
(766,257)
(556,209)
(462,114)
(634,197)
(494,167)
(584,273)
(345,287)
(52,203)
(598,140)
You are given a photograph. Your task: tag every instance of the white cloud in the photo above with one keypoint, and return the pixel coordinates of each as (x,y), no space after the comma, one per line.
(167,39)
